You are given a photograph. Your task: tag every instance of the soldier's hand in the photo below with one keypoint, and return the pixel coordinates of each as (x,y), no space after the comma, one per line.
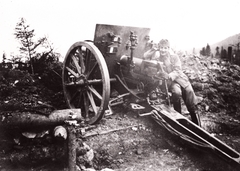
(155,46)
(163,75)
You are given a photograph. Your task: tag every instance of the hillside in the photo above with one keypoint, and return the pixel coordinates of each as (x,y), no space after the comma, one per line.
(232,40)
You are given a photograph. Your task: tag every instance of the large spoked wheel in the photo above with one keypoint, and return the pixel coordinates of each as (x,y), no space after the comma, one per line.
(86,82)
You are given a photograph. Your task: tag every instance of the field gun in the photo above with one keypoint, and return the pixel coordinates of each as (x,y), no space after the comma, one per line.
(113,62)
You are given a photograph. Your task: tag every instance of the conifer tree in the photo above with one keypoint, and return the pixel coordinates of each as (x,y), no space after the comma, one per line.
(217,52)
(203,51)
(4,58)
(222,53)
(194,51)
(26,37)
(208,50)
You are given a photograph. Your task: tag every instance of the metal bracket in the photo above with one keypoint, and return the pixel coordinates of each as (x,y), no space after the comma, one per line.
(135,106)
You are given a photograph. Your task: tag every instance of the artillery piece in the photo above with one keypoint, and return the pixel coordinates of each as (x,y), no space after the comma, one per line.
(113,61)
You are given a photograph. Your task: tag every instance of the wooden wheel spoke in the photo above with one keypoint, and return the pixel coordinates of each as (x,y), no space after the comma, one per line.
(72,72)
(93,104)
(86,105)
(77,96)
(81,60)
(74,96)
(88,59)
(95,92)
(76,64)
(95,66)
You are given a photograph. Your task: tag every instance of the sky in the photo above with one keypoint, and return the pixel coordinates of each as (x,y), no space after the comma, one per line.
(186,23)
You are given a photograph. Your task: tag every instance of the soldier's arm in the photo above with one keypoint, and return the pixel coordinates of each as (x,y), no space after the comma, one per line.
(177,67)
(151,54)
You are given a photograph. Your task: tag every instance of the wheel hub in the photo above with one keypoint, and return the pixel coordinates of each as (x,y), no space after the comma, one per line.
(82,80)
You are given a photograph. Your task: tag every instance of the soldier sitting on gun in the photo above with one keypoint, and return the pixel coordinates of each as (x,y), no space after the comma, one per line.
(178,82)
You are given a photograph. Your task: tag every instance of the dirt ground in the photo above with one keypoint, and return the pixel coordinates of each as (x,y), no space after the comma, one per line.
(148,146)
(126,141)
(133,143)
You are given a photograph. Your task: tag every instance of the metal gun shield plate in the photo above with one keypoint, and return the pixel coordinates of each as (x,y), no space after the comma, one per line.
(113,41)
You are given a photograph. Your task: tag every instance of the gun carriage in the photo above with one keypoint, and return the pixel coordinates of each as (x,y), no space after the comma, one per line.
(113,62)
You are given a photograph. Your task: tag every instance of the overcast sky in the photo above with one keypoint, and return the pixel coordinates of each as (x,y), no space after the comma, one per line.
(186,23)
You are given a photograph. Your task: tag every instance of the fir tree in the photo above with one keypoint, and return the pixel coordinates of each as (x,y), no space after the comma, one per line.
(217,52)
(208,50)
(194,51)
(4,58)
(203,51)
(26,37)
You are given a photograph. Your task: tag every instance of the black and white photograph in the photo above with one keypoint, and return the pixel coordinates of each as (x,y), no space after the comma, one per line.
(119,85)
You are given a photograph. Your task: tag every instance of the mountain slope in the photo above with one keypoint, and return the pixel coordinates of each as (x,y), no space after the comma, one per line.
(230,41)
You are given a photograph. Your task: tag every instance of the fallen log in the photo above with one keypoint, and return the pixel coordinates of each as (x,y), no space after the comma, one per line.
(72,145)
(27,119)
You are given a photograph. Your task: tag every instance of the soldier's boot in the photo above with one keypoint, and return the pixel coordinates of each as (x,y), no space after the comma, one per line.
(177,105)
(195,118)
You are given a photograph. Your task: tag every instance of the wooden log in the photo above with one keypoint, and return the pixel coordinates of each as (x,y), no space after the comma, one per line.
(60,132)
(27,119)
(72,145)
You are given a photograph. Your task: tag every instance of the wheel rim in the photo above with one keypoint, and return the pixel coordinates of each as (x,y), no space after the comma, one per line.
(86,82)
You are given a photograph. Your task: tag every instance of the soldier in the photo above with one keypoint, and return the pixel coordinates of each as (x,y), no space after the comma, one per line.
(178,82)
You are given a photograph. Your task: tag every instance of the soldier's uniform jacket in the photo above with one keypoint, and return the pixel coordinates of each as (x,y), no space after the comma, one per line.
(172,65)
